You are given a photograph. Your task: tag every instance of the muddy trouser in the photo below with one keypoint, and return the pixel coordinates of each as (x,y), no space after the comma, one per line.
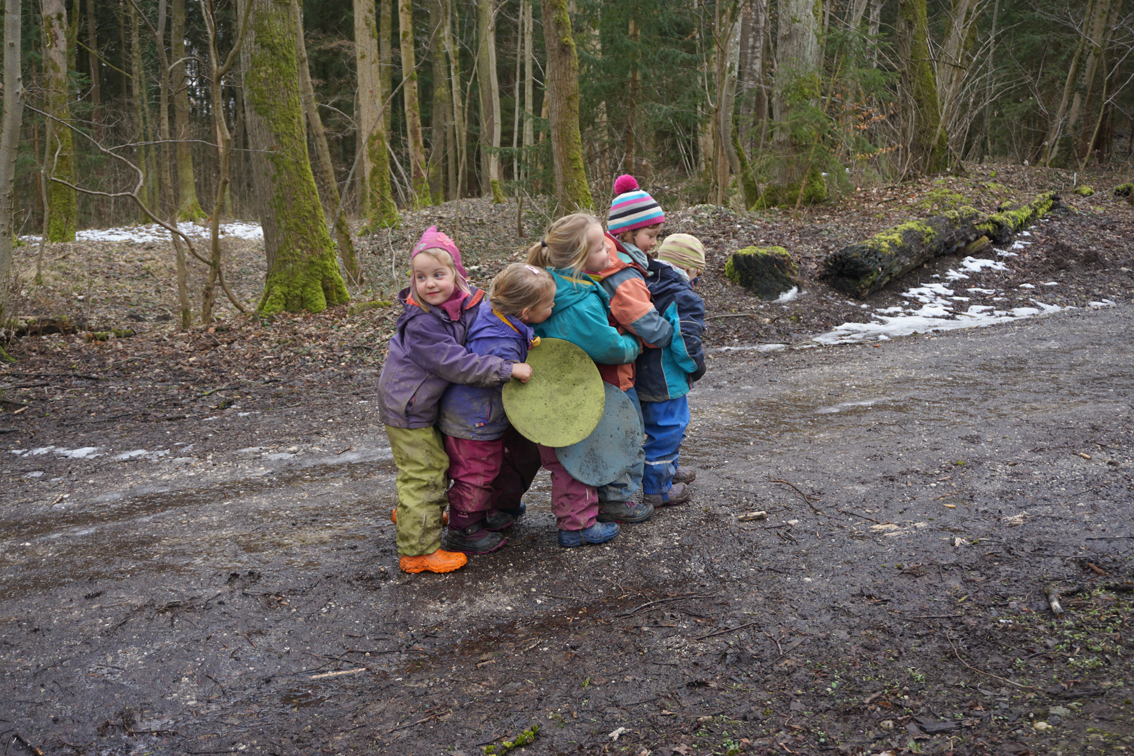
(625,487)
(665,428)
(473,465)
(422,466)
(575,504)
(517,470)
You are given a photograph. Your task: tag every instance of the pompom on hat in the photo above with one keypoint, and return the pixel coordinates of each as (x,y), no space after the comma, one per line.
(683,250)
(434,239)
(632,208)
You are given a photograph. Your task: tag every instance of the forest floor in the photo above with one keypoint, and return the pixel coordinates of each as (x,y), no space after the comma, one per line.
(196,555)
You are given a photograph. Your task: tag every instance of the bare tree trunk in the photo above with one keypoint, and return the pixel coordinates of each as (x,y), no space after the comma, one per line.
(952,71)
(418,178)
(571,189)
(874,25)
(302,271)
(9,146)
(378,206)
(489,89)
(631,102)
(1099,39)
(460,118)
(217,72)
(726,40)
(146,155)
(442,124)
(62,205)
(93,64)
(323,152)
(529,83)
(188,206)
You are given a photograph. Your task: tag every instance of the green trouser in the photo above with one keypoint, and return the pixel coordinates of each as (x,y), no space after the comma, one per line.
(422,482)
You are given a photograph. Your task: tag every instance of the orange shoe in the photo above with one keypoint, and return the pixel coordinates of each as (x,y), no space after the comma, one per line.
(438,561)
(394,517)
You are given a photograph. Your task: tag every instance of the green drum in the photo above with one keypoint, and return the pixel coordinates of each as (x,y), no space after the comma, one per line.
(563,402)
(611,449)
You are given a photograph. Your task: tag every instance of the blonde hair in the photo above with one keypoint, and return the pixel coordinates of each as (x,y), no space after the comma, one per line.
(445,258)
(520,287)
(565,243)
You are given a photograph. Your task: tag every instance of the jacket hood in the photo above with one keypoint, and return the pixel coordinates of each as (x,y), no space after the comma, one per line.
(571,288)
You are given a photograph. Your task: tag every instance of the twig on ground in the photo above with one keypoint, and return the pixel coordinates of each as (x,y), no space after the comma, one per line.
(726,630)
(804,496)
(981,671)
(666,601)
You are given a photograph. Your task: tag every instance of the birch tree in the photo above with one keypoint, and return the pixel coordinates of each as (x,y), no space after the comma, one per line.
(302,271)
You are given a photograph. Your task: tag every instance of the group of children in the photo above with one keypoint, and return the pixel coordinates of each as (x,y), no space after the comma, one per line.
(635,314)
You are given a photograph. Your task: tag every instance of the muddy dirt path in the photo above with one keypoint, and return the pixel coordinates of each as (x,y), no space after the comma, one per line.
(920,493)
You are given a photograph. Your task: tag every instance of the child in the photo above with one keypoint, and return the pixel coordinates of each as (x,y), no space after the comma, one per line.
(426,354)
(634,223)
(666,375)
(580,315)
(473,419)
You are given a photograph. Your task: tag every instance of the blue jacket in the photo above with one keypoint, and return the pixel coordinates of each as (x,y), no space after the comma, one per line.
(478,412)
(669,372)
(426,354)
(581,316)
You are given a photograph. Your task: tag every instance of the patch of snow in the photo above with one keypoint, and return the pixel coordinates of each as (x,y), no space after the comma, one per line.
(789,296)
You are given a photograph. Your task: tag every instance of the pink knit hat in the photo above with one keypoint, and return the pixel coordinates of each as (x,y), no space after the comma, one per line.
(434,239)
(632,208)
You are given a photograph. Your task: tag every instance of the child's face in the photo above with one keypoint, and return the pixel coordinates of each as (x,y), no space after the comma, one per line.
(645,238)
(540,312)
(433,280)
(597,257)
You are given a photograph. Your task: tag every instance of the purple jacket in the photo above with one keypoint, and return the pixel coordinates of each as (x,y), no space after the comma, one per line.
(474,412)
(427,354)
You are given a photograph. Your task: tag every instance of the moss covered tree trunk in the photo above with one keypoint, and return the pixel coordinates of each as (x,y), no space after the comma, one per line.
(798,127)
(302,271)
(62,206)
(188,206)
(418,174)
(928,143)
(378,206)
(571,189)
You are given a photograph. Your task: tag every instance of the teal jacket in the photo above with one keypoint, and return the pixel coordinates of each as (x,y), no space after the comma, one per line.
(582,316)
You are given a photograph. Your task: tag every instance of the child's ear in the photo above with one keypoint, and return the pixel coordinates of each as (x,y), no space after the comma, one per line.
(524,314)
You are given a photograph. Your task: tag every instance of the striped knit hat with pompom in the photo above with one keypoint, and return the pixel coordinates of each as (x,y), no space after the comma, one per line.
(632,208)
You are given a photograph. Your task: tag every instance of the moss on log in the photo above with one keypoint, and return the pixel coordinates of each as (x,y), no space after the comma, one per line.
(1124,190)
(861,269)
(866,267)
(765,271)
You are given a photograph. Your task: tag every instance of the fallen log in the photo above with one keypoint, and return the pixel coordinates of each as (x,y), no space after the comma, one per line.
(1002,226)
(861,269)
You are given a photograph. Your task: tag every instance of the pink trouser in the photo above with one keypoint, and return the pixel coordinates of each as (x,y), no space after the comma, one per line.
(575,504)
(473,465)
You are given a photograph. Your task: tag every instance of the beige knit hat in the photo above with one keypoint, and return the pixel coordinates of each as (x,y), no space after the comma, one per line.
(683,250)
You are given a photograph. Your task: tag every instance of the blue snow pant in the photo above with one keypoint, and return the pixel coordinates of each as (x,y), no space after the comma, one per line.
(665,429)
(625,487)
